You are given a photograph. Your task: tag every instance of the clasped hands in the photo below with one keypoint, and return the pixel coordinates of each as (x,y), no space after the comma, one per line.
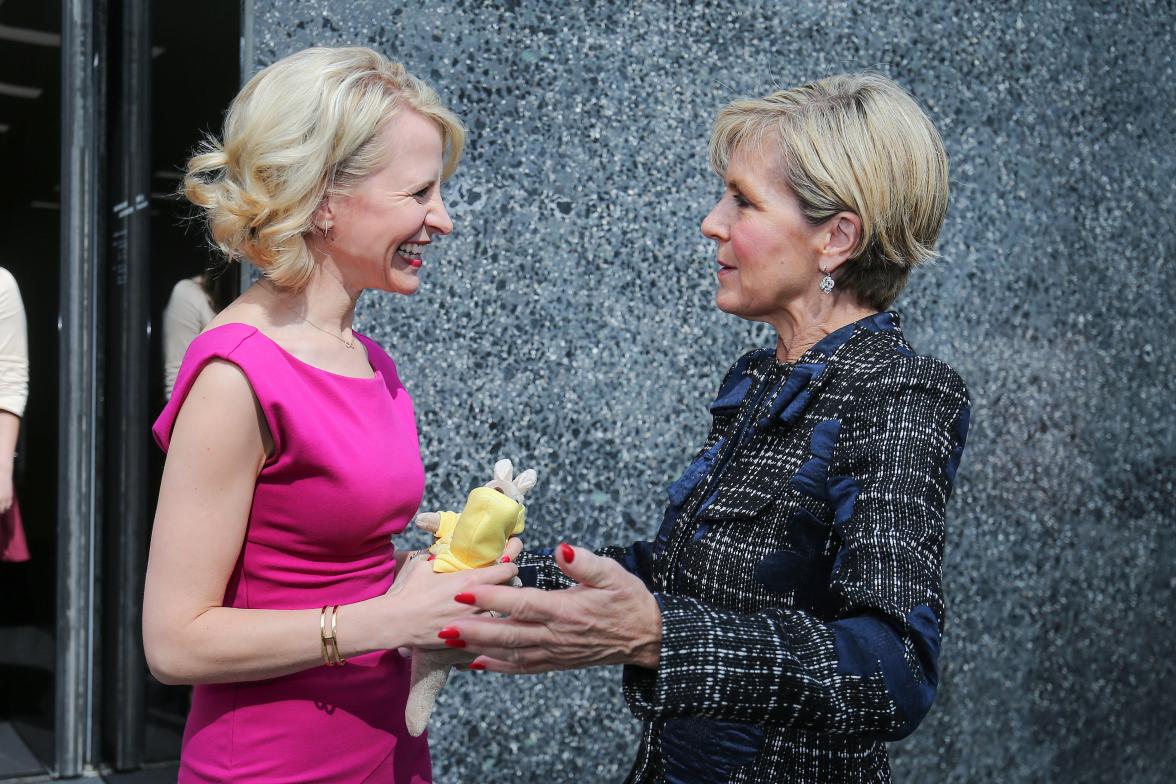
(608,618)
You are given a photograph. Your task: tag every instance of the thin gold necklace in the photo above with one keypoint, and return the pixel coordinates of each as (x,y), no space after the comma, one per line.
(291,311)
(348,343)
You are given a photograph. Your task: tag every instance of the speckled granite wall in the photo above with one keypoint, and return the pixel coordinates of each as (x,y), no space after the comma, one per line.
(568,323)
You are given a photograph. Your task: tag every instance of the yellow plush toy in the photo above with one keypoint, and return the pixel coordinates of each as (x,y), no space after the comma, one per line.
(475,537)
(493,513)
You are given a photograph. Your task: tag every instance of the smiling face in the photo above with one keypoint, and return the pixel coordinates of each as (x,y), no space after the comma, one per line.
(380,227)
(769,255)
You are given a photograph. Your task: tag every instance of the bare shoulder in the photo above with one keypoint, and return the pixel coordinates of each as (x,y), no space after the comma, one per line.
(223,380)
(221,413)
(240,311)
(252,309)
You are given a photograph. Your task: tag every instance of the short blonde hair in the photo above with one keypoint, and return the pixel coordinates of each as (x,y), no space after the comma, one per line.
(305,127)
(856,143)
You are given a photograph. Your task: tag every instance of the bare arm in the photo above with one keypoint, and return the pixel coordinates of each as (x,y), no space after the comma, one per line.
(218,447)
(9,430)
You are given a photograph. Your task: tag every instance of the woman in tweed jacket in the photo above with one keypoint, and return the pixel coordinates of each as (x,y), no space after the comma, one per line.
(785,621)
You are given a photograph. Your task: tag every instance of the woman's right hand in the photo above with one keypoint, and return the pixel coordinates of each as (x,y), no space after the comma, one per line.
(421,602)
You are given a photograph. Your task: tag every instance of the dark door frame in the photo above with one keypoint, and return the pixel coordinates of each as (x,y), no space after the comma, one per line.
(102,517)
(83,77)
(127,398)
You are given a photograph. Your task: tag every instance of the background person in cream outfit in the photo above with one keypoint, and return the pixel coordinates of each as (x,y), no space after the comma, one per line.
(14,393)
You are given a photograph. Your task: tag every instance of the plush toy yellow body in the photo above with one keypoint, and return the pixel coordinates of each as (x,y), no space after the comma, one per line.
(475,537)
(470,540)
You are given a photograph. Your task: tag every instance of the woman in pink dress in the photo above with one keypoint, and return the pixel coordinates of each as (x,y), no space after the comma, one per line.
(292,453)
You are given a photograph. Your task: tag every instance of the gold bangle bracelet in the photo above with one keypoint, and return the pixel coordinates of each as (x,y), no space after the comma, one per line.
(330,643)
(323,636)
(339,660)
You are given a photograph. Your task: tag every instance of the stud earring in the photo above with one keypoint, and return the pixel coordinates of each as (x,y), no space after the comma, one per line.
(827,282)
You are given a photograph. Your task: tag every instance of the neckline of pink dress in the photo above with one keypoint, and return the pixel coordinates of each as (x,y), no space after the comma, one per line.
(363,339)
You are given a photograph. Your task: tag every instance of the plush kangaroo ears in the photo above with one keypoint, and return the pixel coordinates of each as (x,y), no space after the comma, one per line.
(509,485)
(525,481)
(503,470)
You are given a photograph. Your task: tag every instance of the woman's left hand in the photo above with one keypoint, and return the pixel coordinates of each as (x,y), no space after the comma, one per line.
(609,618)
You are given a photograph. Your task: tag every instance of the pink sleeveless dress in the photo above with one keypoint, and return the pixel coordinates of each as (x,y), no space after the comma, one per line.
(345,476)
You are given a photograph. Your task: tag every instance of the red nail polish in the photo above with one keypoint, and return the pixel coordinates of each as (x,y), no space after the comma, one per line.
(506,559)
(567,552)
(455,643)
(449,633)
(477,666)
(464,597)
(431,557)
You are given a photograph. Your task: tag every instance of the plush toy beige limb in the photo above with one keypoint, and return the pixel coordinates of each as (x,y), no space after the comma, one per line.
(493,513)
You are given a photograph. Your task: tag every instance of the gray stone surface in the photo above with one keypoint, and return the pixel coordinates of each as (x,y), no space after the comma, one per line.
(568,323)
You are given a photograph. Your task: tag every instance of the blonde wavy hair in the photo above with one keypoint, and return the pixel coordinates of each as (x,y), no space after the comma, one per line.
(857,143)
(305,127)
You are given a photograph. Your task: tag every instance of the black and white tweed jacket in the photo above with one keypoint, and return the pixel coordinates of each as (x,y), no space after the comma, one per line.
(798,567)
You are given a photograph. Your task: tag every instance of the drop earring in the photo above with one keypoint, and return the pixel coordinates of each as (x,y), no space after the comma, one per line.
(827,282)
